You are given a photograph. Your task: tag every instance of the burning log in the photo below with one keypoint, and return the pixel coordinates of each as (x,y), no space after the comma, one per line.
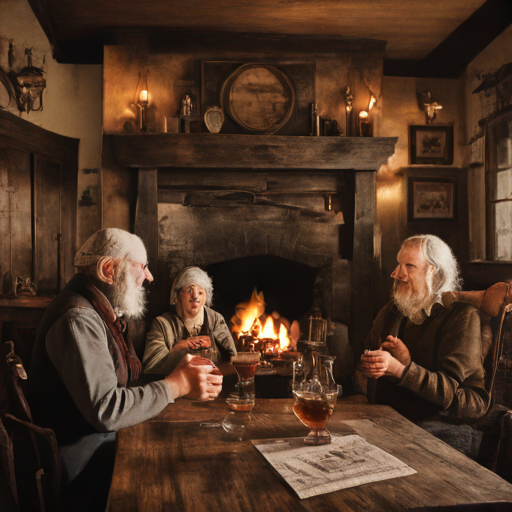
(253,330)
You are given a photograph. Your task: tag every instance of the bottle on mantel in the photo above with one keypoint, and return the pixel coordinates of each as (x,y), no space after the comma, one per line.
(315,120)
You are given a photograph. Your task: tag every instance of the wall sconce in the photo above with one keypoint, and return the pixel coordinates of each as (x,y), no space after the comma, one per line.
(430,107)
(30,84)
(365,121)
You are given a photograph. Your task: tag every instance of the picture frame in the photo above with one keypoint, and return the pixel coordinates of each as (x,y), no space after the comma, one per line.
(432,199)
(431,145)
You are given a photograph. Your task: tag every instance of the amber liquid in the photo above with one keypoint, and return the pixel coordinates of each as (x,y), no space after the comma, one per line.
(241,407)
(314,413)
(245,370)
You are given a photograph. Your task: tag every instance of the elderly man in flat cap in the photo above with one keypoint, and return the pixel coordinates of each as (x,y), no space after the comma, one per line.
(82,365)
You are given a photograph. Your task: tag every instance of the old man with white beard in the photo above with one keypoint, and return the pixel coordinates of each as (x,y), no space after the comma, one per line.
(83,366)
(427,358)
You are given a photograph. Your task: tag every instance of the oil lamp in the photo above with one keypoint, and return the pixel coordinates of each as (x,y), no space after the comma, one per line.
(316,331)
(30,84)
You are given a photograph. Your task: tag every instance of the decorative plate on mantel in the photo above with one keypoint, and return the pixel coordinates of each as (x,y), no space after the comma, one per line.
(260,98)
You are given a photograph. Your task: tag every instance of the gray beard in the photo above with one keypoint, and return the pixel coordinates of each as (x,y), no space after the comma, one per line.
(415,306)
(127,299)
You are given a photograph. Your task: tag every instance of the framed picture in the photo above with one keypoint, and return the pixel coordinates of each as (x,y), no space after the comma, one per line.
(432,199)
(431,145)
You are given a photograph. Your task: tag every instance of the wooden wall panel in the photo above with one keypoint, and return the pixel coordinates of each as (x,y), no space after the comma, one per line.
(5,239)
(47,225)
(68,243)
(21,213)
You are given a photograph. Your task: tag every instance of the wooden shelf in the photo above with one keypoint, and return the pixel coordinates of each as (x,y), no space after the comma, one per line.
(25,301)
(250,152)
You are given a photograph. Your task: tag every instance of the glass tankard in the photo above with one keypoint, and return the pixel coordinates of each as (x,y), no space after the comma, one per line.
(315,393)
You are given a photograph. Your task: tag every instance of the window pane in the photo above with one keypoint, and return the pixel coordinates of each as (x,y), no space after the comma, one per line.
(501,158)
(504,184)
(503,238)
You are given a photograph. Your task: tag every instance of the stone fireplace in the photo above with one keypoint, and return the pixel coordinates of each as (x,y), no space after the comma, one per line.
(241,201)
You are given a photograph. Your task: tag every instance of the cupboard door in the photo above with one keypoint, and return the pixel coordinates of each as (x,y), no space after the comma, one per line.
(15,218)
(47,225)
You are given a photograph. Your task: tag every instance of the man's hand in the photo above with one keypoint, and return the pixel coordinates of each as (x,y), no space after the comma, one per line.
(377,363)
(194,342)
(397,349)
(195,377)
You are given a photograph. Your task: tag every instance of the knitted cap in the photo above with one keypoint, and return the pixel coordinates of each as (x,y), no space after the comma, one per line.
(113,243)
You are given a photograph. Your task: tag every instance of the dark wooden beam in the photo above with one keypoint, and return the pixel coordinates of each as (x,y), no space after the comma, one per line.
(82,50)
(362,314)
(207,151)
(452,56)
(146,215)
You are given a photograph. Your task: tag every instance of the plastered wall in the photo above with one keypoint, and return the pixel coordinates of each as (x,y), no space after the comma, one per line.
(72,101)
(400,110)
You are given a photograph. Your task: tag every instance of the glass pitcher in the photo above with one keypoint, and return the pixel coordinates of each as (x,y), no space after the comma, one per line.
(315,393)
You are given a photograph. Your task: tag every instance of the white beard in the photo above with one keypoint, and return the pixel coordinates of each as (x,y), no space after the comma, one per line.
(414,305)
(127,298)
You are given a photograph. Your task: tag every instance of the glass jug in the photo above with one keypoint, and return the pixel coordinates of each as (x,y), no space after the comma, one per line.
(315,393)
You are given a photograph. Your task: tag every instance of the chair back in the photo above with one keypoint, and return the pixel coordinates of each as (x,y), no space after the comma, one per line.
(494,304)
(28,453)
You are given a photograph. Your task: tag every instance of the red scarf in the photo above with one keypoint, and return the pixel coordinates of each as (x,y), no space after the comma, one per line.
(126,362)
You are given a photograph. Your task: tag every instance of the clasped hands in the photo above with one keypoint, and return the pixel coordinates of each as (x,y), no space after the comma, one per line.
(194,342)
(391,359)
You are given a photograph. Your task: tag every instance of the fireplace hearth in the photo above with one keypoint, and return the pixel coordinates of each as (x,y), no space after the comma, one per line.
(301,208)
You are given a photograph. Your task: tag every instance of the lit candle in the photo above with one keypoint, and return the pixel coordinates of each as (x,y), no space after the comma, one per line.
(365,124)
(143,97)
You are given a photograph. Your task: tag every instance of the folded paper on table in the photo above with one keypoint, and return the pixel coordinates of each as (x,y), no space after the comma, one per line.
(347,462)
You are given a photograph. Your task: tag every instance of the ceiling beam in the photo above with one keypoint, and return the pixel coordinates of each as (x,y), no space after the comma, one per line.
(452,56)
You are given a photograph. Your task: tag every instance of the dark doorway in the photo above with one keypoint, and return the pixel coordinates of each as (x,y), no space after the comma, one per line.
(286,285)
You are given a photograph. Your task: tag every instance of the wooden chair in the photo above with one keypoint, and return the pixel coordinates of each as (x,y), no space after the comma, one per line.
(28,453)
(493,434)
(494,304)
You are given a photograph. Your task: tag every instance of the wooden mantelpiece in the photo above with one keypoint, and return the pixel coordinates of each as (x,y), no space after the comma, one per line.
(223,151)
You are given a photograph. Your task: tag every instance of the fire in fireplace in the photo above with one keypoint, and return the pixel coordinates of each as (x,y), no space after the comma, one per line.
(253,329)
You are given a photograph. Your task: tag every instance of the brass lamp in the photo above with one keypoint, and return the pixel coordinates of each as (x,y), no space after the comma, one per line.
(316,330)
(30,84)
(143,105)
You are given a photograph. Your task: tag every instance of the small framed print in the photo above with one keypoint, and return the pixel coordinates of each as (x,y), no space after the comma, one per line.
(432,199)
(431,145)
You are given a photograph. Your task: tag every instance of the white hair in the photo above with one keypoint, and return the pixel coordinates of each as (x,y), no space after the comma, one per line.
(192,275)
(438,254)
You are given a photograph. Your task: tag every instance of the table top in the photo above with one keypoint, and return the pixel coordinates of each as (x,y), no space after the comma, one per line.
(171,462)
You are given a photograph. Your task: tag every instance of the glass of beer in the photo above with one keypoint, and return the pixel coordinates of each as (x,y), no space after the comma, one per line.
(315,397)
(245,364)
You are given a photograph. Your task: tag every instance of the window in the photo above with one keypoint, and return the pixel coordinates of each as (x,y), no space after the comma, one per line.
(499,189)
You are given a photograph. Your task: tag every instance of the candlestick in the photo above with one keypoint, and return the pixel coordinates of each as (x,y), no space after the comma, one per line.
(365,124)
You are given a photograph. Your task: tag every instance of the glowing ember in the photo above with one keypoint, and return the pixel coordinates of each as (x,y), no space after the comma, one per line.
(250,320)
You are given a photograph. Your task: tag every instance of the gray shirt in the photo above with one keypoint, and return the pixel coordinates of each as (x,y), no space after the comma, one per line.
(77,346)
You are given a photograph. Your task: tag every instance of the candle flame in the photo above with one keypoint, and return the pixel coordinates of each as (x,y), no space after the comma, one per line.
(373,100)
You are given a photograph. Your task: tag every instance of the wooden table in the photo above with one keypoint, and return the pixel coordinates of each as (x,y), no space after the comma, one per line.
(172,463)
